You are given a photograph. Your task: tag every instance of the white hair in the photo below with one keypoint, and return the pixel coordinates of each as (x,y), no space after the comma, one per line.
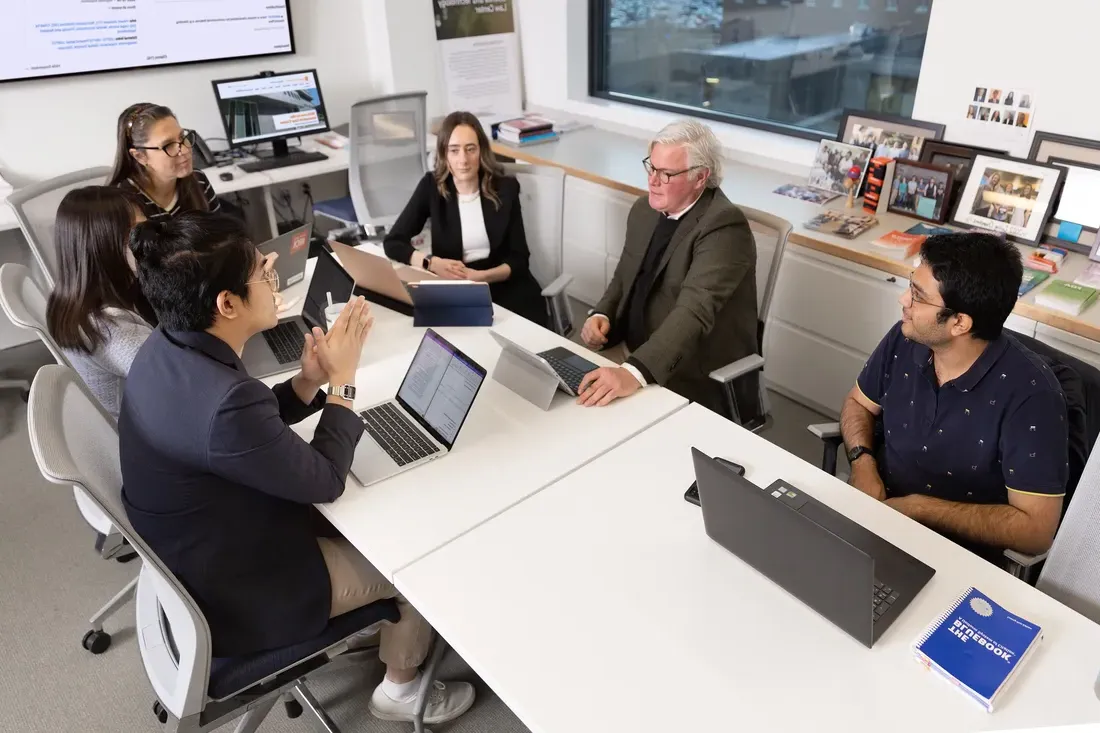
(703,148)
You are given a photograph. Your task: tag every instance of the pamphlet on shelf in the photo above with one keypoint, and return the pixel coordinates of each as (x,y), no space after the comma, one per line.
(841,223)
(929,230)
(1032,279)
(899,245)
(1090,278)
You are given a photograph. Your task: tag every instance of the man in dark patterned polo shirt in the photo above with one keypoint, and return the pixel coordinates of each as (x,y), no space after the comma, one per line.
(974,432)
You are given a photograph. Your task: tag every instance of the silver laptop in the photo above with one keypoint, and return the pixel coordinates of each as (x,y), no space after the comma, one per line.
(559,362)
(279,349)
(422,422)
(293,251)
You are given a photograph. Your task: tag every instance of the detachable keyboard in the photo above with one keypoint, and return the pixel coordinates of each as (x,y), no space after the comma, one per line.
(396,434)
(282,161)
(882,598)
(286,341)
(569,374)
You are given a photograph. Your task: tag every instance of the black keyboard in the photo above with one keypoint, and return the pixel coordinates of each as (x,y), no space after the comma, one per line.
(282,161)
(396,434)
(882,598)
(569,374)
(286,341)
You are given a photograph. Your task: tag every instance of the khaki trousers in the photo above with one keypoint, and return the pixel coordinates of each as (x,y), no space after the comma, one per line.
(355,583)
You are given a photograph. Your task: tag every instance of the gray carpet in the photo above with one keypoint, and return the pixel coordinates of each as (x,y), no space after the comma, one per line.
(52,581)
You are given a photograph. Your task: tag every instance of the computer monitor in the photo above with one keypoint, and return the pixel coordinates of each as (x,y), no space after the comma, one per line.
(271,108)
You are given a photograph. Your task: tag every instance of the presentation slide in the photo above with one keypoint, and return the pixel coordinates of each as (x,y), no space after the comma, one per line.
(41,38)
(259,108)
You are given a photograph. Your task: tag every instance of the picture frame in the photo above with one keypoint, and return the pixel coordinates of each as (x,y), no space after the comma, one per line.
(832,162)
(1009,196)
(875,129)
(916,204)
(1079,194)
(955,156)
(1046,145)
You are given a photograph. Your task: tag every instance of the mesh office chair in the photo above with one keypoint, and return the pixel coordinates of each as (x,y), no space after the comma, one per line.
(755,417)
(74,443)
(542,198)
(35,208)
(23,302)
(388,157)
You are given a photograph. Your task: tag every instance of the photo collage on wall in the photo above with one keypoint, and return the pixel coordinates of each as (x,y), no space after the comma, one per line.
(1011,108)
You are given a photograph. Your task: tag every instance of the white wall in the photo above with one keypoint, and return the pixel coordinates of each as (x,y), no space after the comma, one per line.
(1046,47)
(49,127)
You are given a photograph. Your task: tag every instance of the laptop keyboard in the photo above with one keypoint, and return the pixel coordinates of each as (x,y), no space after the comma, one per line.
(286,341)
(882,598)
(396,434)
(569,374)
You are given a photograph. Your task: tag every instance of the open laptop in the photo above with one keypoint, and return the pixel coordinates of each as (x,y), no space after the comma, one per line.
(560,363)
(848,574)
(377,279)
(293,250)
(422,422)
(279,349)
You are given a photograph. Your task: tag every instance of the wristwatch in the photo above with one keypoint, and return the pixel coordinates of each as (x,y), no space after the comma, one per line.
(427,262)
(855,453)
(344,391)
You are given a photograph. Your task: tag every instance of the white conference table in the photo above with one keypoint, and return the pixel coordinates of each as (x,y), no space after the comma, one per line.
(600,604)
(508,449)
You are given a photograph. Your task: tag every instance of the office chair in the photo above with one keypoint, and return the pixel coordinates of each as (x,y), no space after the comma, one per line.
(35,208)
(388,157)
(25,306)
(542,198)
(74,443)
(1080,383)
(729,375)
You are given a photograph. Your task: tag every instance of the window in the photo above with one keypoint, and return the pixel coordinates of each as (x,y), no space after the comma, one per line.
(789,66)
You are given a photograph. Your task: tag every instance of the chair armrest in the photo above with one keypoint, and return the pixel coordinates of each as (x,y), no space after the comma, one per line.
(737,369)
(557,287)
(1022,565)
(825,430)
(1024,560)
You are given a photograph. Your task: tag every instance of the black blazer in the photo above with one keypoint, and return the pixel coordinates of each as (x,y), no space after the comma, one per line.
(221,489)
(520,293)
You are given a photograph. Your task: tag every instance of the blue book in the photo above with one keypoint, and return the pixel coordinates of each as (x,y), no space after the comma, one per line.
(977,646)
(927,230)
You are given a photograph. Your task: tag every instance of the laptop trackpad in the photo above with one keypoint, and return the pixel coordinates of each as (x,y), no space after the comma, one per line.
(371,463)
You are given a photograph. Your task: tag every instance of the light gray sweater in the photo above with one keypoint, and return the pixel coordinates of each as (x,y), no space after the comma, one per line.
(105,369)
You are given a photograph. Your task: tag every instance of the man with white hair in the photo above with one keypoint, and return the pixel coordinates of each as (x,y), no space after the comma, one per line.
(683,299)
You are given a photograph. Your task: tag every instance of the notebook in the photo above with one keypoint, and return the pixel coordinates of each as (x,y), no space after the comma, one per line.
(978,646)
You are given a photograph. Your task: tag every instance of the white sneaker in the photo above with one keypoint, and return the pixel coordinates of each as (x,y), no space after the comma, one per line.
(445,702)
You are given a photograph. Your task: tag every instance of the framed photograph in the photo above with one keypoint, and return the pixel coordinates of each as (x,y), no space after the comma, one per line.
(1011,196)
(1047,145)
(829,171)
(1077,203)
(920,190)
(890,136)
(955,156)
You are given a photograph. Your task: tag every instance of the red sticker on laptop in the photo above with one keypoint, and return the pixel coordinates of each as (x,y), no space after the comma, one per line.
(298,242)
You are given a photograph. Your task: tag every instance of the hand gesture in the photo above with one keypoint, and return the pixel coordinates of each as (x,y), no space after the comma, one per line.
(448,269)
(594,333)
(339,350)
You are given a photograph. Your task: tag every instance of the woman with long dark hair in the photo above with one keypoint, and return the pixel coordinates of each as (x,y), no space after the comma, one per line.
(153,160)
(96,313)
(477,224)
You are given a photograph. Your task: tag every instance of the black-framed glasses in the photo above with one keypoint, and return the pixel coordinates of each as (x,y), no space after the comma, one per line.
(917,300)
(665,176)
(174,148)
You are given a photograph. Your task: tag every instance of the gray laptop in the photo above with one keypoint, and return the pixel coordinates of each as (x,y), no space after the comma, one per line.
(559,363)
(848,574)
(422,422)
(293,251)
(279,349)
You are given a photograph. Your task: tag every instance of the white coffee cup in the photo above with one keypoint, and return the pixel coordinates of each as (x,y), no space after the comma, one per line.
(332,313)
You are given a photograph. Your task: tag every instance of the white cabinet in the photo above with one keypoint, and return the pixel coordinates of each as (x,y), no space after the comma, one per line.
(593,233)
(1071,344)
(1019,324)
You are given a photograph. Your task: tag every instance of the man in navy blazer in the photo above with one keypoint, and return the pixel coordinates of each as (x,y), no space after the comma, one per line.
(222,489)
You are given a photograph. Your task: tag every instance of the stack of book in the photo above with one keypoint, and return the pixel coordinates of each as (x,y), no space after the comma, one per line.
(903,245)
(1066,297)
(880,176)
(1046,258)
(527,130)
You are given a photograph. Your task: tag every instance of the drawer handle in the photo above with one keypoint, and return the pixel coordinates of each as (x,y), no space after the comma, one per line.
(891,279)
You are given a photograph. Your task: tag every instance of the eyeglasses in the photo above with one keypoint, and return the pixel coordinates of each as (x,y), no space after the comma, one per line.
(917,300)
(270,276)
(665,176)
(174,148)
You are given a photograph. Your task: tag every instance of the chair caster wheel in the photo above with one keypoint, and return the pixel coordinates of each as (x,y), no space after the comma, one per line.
(293,708)
(96,642)
(160,712)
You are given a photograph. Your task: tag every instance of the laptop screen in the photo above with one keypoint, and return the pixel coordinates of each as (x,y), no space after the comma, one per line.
(440,387)
(328,277)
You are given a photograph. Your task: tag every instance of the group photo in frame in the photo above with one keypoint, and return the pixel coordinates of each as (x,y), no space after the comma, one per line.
(920,190)
(1010,196)
(832,162)
(888,136)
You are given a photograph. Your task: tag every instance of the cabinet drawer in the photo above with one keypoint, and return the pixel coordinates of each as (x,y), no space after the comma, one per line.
(810,369)
(839,304)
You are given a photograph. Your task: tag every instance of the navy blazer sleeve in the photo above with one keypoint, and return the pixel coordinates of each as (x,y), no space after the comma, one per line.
(291,408)
(398,242)
(250,443)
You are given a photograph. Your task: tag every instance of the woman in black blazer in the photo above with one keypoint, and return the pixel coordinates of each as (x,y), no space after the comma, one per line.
(477,225)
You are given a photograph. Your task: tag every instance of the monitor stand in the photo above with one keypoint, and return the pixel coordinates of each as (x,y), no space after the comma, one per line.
(279,151)
(280,156)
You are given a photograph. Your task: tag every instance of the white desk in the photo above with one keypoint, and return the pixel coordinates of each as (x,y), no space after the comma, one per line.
(601,605)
